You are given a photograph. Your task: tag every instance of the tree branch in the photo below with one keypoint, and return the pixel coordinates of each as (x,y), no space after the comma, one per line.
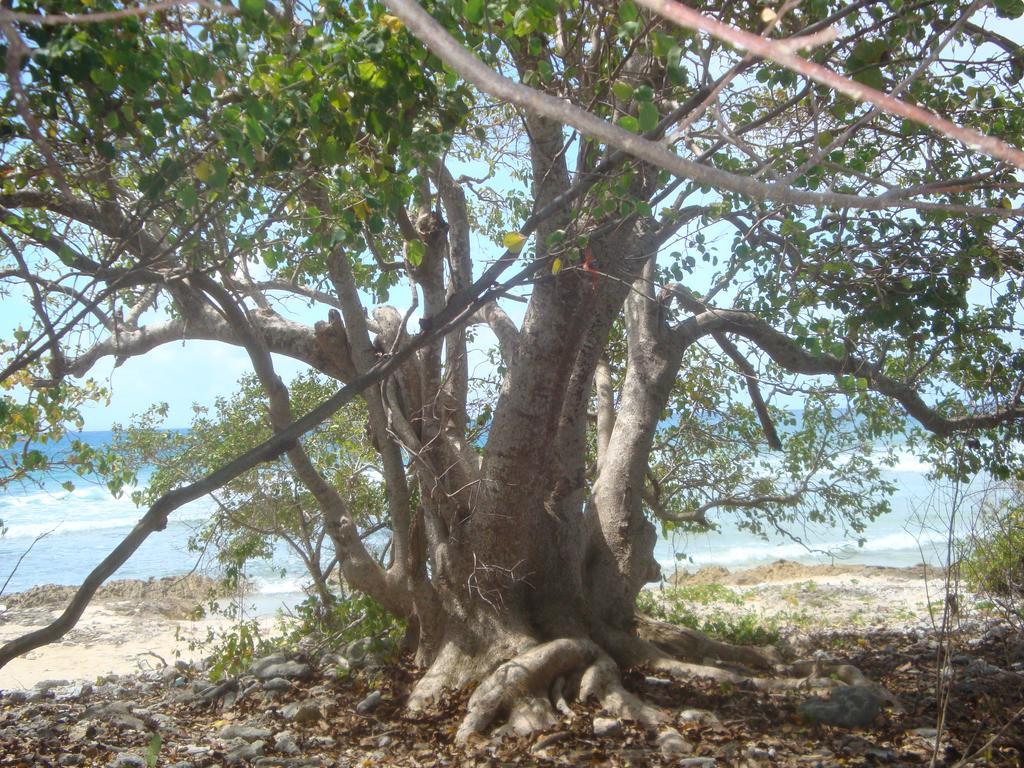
(782,52)
(421,24)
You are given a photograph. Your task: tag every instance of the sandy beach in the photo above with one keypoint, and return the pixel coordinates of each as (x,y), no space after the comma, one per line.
(130,626)
(134,626)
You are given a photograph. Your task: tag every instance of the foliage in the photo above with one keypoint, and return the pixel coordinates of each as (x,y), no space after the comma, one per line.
(992,557)
(345,621)
(267,506)
(693,606)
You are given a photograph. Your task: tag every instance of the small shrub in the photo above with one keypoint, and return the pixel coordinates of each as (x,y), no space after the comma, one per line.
(992,558)
(692,606)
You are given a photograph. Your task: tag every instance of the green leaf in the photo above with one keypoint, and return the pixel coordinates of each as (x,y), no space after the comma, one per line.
(648,116)
(415,250)
(629,123)
(203,171)
(104,80)
(474,11)
(252,9)
(623,91)
(153,750)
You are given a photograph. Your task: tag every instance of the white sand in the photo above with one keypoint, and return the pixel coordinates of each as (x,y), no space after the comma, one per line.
(105,641)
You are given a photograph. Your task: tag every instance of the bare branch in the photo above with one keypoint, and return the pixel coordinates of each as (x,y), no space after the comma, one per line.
(97,17)
(483,77)
(782,52)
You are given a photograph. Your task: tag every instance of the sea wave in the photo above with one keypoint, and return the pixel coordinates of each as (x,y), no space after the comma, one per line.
(906,547)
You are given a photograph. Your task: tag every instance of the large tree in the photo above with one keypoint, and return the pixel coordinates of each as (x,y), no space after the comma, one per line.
(691,227)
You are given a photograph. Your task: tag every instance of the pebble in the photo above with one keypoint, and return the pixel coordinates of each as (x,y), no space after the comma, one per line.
(127,761)
(369,703)
(244,732)
(701,716)
(607,726)
(278,685)
(244,752)
(292,670)
(851,706)
(302,712)
(672,744)
(285,743)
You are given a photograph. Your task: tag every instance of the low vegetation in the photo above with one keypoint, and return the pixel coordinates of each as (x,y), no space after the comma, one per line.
(992,557)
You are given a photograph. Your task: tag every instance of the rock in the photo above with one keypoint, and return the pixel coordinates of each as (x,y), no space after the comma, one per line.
(697,762)
(925,733)
(289,762)
(292,670)
(45,686)
(70,759)
(302,712)
(852,706)
(358,651)
(124,721)
(605,727)
(277,685)
(127,760)
(266,661)
(701,716)
(981,668)
(369,703)
(243,752)
(672,744)
(284,742)
(82,730)
(244,732)
(212,691)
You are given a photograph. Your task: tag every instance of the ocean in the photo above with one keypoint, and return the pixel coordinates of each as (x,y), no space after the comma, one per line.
(60,536)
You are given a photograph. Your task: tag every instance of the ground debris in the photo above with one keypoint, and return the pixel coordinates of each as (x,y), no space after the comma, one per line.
(720,725)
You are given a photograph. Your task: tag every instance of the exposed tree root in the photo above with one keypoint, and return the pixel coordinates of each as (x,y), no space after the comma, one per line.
(690,645)
(535,687)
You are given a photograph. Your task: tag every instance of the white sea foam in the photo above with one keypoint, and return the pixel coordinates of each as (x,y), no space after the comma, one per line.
(68,526)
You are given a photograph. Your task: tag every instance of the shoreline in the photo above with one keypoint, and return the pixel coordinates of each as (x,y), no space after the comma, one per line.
(134,626)
(130,626)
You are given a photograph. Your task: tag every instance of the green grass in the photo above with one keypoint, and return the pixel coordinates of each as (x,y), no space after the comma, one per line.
(693,606)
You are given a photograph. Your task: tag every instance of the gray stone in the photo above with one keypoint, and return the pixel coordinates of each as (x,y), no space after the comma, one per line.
(284,742)
(124,722)
(358,650)
(292,670)
(852,706)
(672,744)
(277,685)
(701,716)
(369,703)
(302,712)
(267,661)
(697,762)
(70,759)
(244,732)
(82,730)
(925,733)
(48,685)
(243,752)
(290,762)
(606,727)
(127,760)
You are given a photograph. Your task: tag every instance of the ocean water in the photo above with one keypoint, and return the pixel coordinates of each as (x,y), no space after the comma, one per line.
(60,536)
(915,531)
